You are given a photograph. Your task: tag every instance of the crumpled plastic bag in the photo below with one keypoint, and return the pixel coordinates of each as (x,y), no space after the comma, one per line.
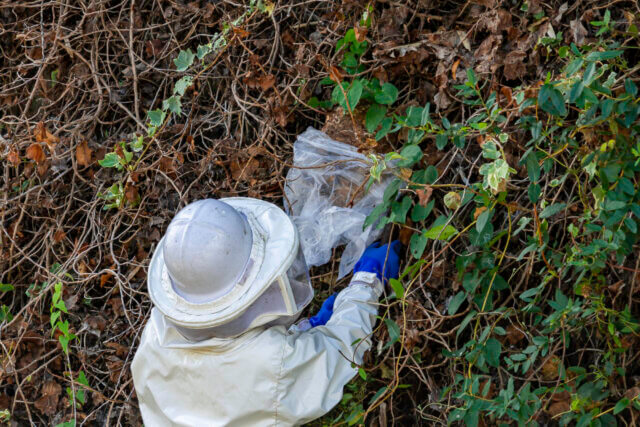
(328,204)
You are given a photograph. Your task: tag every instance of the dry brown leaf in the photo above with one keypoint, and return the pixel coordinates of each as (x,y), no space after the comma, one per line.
(454,68)
(549,369)
(558,408)
(41,134)
(514,67)
(360,33)
(104,278)
(59,235)
(50,394)
(335,74)
(83,154)
(244,170)
(578,32)
(13,157)
(36,153)
(514,335)
(424,194)
(131,194)
(478,211)
(240,32)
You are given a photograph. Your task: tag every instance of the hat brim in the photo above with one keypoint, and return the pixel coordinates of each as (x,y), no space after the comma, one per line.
(275,243)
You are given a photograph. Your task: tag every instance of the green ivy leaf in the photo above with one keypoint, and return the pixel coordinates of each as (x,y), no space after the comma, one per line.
(420,213)
(5,287)
(441,232)
(375,114)
(354,94)
(551,100)
(173,104)
(411,154)
(483,219)
(387,95)
(394,331)
(552,210)
(182,85)
(417,244)
(110,160)
(456,302)
(184,60)
(397,287)
(492,350)
(156,117)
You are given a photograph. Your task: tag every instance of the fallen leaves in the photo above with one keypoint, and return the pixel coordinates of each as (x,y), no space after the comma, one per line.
(424,194)
(13,157)
(83,154)
(49,396)
(36,153)
(264,82)
(41,134)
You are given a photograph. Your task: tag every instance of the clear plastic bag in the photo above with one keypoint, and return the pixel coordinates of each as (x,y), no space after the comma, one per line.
(328,204)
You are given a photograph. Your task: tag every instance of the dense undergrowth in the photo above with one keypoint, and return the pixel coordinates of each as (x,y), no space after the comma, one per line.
(511,128)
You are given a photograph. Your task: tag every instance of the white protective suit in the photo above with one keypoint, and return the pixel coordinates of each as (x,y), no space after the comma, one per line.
(268,376)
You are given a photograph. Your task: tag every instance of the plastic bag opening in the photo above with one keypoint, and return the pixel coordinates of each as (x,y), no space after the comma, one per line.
(326,199)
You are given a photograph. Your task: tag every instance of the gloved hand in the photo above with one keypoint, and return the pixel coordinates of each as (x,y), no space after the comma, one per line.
(325,312)
(372,260)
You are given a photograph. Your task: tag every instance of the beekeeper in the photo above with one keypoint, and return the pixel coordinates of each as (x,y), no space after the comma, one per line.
(228,281)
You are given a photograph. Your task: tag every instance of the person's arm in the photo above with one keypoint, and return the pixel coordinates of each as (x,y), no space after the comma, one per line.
(319,362)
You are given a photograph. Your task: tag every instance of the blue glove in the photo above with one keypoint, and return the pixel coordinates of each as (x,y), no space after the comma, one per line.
(325,312)
(372,260)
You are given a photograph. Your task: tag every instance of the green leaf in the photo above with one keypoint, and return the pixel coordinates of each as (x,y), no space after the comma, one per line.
(441,140)
(613,205)
(417,244)
(397,287)
(5,287)
(576,91)
(411,154)
(374,215)
(182,85)
(156,117)
(630,87)
(589,74)
(534,191)
(551,101)
(172,104)
(379,393)
(110,160)
(394,331)
(573,66)
(362,373)
(184,60)
(420,213)
(483,219)
(440,232)
(456,302)
(385,127)
(492,350)
(552,210)
(354,94)
(399,210)
(375,114)
(452,200)
(602,56)
(387,95)
(203,50)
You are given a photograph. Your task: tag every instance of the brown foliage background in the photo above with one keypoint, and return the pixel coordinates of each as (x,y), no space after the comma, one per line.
(79,76)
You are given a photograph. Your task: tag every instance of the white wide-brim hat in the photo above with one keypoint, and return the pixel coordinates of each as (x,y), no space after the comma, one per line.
(274,247)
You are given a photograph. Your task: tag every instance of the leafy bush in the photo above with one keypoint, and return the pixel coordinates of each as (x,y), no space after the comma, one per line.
(544,221)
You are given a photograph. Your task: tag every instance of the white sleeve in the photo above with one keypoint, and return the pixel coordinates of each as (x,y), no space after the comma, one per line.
(317,363)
